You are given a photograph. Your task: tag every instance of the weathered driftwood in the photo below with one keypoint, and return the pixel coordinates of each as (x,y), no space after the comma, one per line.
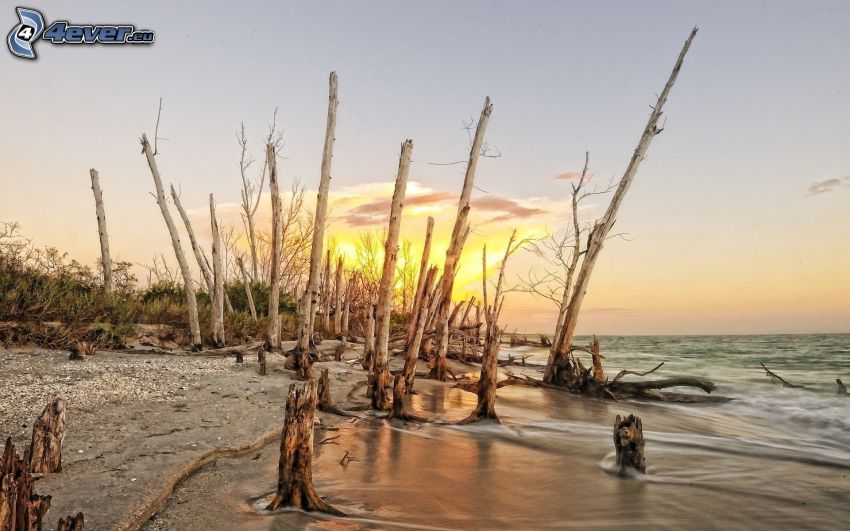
(381,380)
(273,331)
(775,378)
(311,291)
(558,369)
(628,442)
(105,257)
(21,509)
(459,234)
(48,432)
(217,295)
(295,468)
(188,285)
(72,523)
(842,389)
(421,289)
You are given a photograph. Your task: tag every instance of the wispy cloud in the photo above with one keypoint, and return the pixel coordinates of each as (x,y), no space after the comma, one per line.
(568,176)
(822,187)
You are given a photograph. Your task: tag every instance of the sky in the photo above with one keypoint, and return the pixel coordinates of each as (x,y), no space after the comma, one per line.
(738,220)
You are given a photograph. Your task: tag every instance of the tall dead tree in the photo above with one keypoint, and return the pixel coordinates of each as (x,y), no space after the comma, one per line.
(346,304)
(419,319)
(273,330)
(559,367)
(420,282)
(487,384)
(188,287)
(326,294)
(203,265)
(369,339)
(338,294)
(217,294)
(380,379)
(295,467)
(247,283)
(310,297)
(459,234)
(105,257)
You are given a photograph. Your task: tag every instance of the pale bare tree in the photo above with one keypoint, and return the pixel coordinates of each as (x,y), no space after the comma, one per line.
(273,330)
(105,257)
(217,295)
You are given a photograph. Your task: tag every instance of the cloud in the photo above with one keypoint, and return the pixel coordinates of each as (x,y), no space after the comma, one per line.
(506,209)
(821,187)
(568,176)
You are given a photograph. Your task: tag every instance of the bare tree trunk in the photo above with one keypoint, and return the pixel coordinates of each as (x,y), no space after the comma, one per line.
(420,282)
(338,298)
(295,468)
(600,230)
(326,295)
(346,305)
(188,287)
(274,285)
(369,340)
(248,293)
(217,294)
(305,331)
(459,232)
(419,318)
(203,265)
(381,379)
(48,432)
(105,257)
(628,441)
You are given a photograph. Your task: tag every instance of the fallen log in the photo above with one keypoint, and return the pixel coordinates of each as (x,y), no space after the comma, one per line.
(295,468)
(629,443)
(48,433)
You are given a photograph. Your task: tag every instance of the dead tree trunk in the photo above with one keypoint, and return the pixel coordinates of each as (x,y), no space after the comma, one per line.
(346,305)
(380,380)
(305,321)
(842,389)
(338,298)
(48,432)
(487,382)
(217,294)
(203,265)
(21,509)
(249,295)
(273,330)
(598,371)
(628,441)
(105,257)
(600,230)
(261,360)
(188,287)
(72,523)
(326,294)
(369,340)
(325,401)
(418,318)
(295,468)
(459,233)
(420,282)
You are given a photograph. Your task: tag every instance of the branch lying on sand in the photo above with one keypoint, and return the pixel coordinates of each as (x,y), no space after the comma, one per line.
(775,378)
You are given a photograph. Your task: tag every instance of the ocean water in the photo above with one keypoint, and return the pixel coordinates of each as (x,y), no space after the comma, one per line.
(772,457)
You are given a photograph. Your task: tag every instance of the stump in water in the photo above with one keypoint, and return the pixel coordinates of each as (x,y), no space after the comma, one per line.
(628,441)
(842,389)
(340,349)
(325,401)
(20,507)
(261,359)
(80,349)
(72,523)
(399,409)
(295,468)
(47,435)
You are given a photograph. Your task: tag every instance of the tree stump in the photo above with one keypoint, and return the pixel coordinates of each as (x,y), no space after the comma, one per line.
(325,402)
(340,349)
(261,359)
(47,435)
(240,358)
(20,508)
(399,408)
(842,389)
(628,441)
(295,468)
(72,523)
